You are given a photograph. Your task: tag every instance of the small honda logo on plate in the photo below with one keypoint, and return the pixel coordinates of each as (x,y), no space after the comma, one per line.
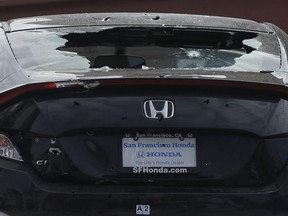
(158,109)
(140,154)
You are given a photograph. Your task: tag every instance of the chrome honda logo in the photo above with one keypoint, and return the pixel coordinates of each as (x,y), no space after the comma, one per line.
(156,109)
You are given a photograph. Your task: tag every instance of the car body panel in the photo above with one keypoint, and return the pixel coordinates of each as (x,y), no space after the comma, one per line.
(70,128)
(134,19)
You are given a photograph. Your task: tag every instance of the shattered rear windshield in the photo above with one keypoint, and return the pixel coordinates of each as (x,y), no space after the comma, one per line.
(86,48)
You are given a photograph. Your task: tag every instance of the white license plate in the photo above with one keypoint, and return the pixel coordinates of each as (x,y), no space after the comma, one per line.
(159,152)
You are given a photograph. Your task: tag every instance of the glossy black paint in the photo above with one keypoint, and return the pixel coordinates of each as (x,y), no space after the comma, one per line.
(241,170)
(22,197)
(241,134)
(59,112)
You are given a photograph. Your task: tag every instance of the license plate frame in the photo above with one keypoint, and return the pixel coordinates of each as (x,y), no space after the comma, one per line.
(159,154)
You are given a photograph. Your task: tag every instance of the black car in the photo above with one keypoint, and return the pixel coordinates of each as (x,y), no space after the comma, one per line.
(143,114)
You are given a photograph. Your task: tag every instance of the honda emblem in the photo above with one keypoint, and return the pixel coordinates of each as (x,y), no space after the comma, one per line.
(158,109)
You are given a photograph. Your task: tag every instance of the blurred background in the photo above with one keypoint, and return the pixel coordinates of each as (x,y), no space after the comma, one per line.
(259,10)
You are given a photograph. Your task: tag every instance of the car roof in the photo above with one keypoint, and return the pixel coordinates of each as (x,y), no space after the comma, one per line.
(134,19)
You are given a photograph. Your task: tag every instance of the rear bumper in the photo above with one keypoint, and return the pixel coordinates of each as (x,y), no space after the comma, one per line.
(21,195)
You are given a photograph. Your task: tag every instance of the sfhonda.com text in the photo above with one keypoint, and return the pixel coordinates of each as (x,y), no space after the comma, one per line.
(158,170)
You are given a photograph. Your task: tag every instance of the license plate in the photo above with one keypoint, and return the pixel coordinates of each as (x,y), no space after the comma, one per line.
(159,152)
